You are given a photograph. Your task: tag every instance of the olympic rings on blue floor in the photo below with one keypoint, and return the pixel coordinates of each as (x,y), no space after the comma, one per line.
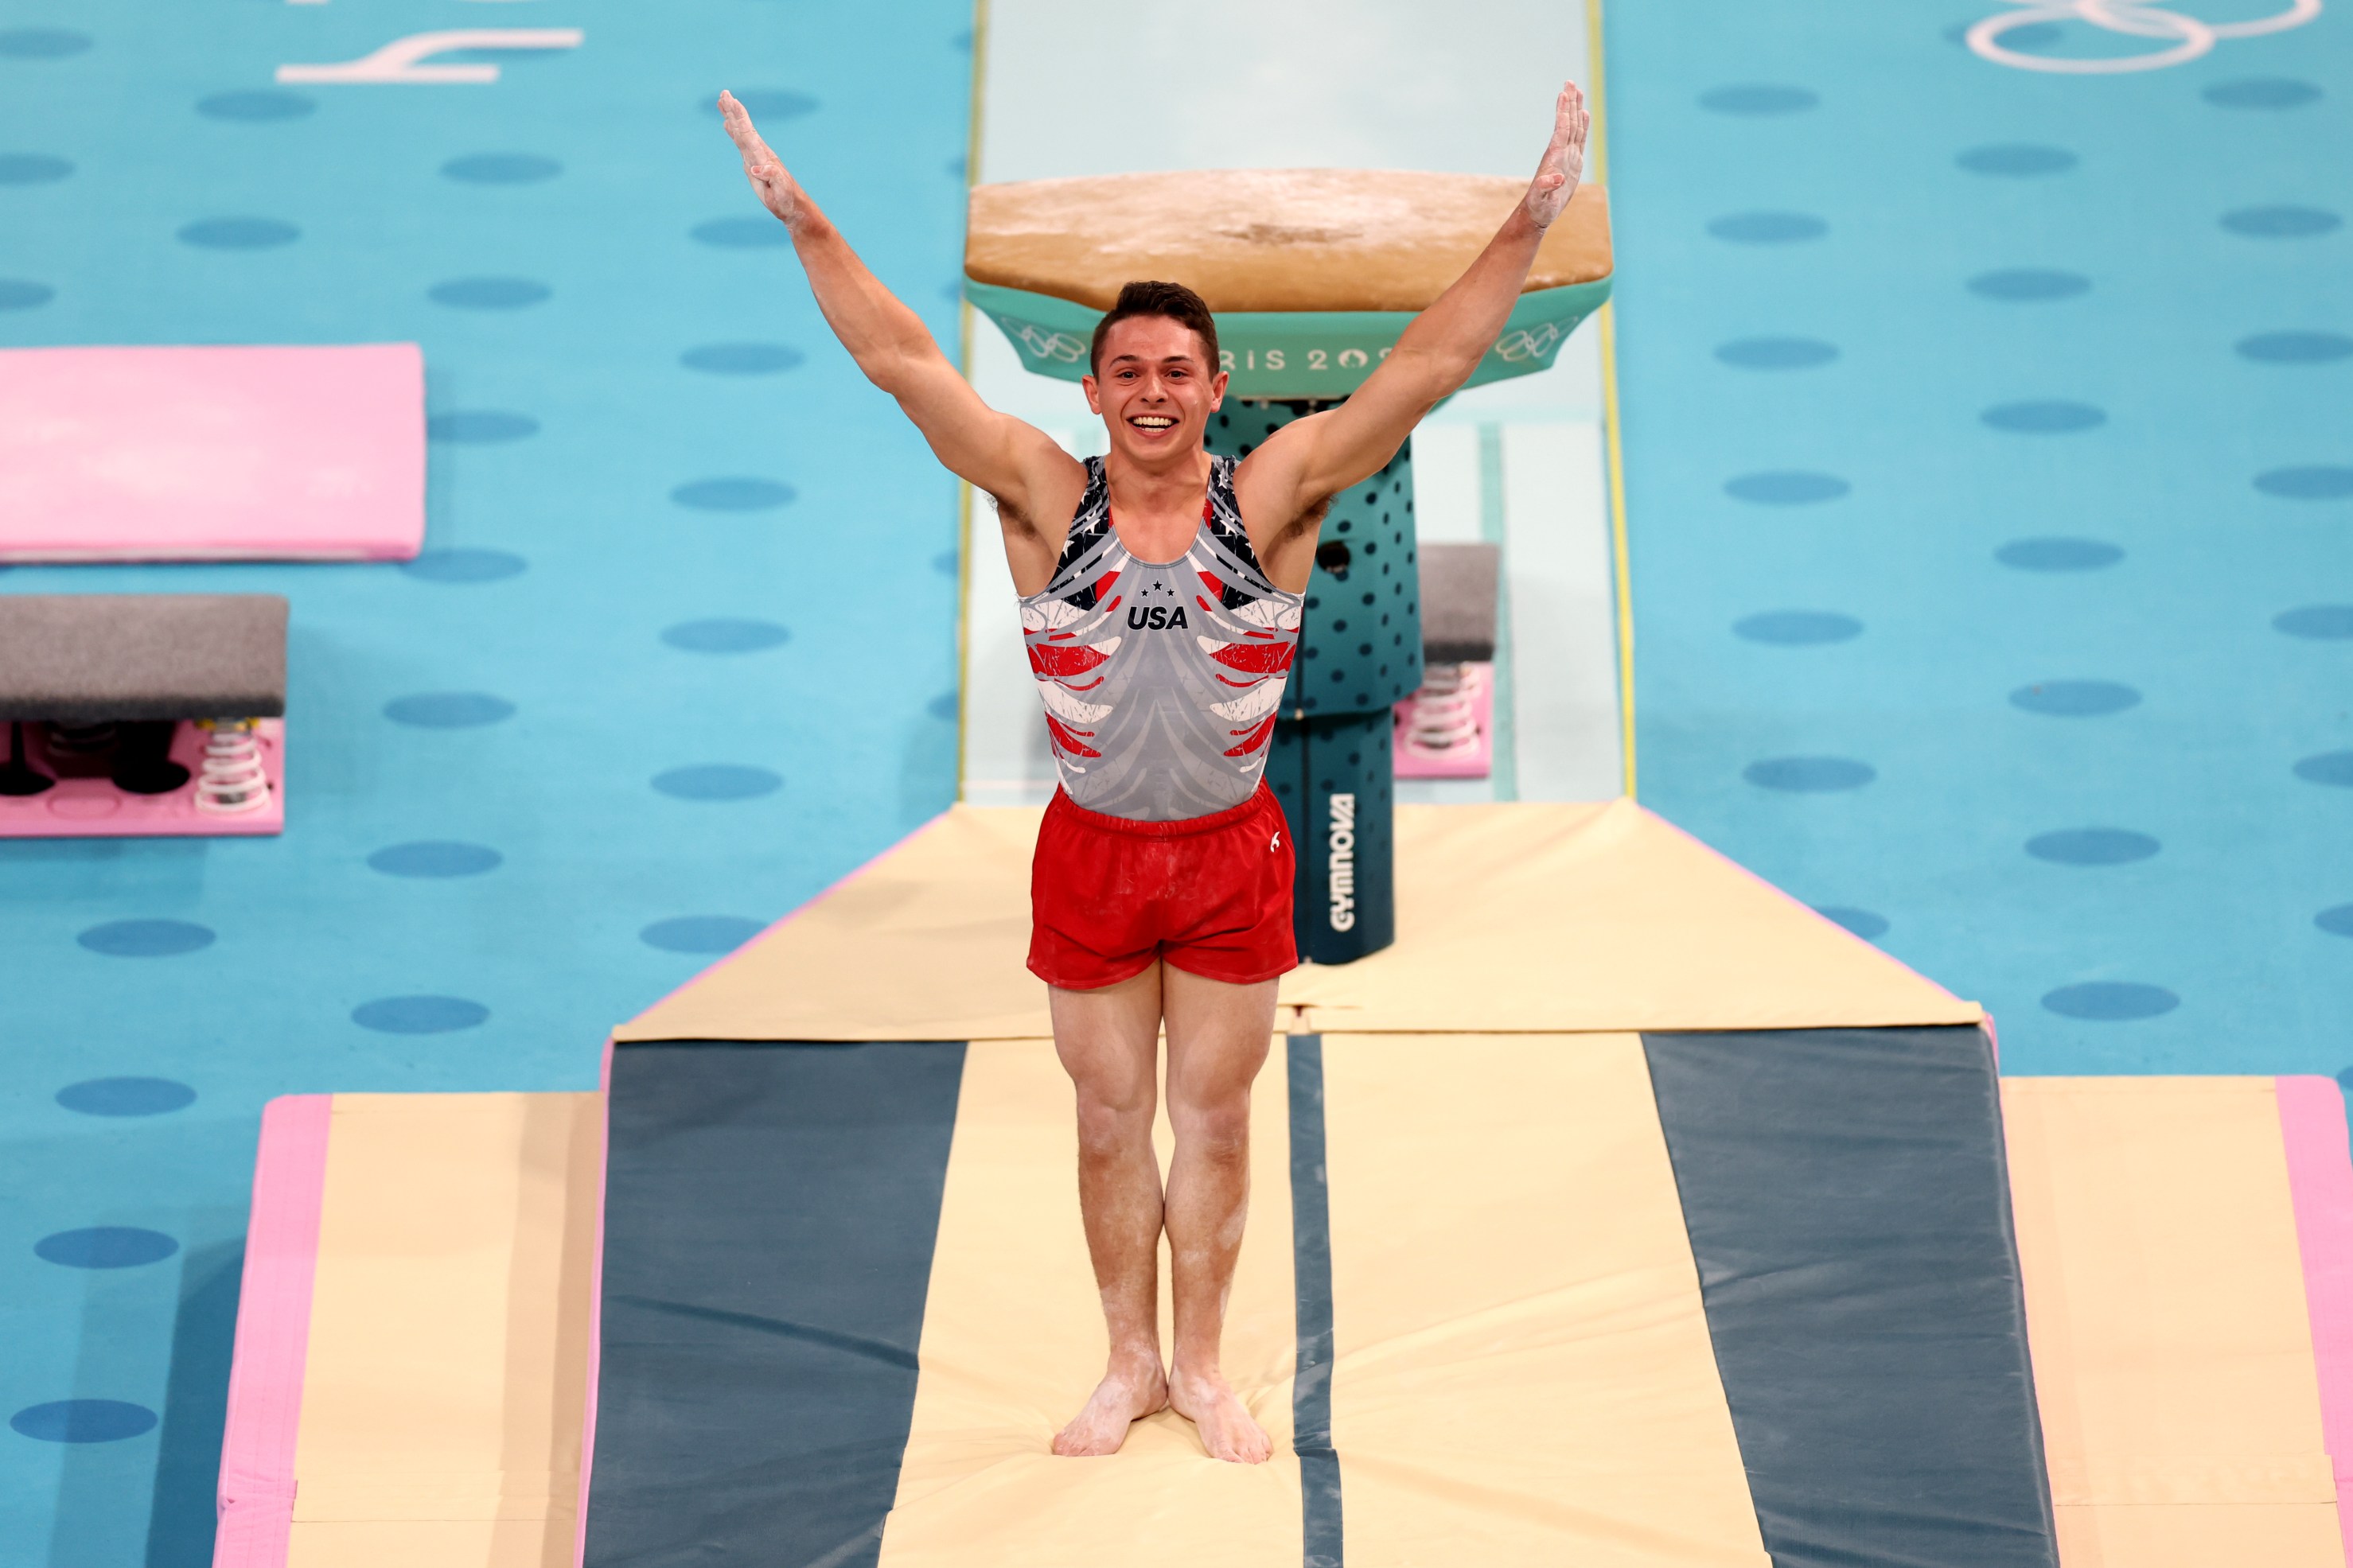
(2133,18)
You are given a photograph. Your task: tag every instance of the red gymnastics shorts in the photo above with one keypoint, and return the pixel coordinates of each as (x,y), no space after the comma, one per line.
(1210,894)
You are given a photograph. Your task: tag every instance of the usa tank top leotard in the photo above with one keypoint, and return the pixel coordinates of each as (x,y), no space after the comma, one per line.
(1161,680)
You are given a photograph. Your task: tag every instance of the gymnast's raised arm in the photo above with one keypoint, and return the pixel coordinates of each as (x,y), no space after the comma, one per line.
(1016,462)
(1302,466)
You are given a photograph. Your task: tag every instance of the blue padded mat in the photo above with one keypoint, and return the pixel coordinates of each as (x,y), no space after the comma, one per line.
(681,650)
(1989,483)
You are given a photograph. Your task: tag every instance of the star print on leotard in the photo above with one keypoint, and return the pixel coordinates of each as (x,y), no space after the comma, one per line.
(1161,680)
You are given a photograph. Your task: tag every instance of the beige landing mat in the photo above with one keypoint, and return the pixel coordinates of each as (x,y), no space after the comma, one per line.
(1523,1370)
(442,1396)
(1523,1373)
(1523,917)
(1013,1342)
(2166,1310)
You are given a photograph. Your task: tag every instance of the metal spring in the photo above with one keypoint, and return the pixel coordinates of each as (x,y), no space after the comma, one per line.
(230,777)
(81,740)
(1441,716)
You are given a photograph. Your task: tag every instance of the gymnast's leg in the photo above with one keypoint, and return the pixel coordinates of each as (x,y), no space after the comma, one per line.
(1218,1034)
(1109,1041)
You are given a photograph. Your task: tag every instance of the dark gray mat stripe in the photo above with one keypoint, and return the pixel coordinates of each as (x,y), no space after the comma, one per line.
(770,1213)
(1848,1202)
(1311,1240)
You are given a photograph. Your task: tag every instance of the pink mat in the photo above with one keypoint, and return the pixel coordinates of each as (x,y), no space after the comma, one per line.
(2320,1176)
(94,808)
(273,1334)
(211,454)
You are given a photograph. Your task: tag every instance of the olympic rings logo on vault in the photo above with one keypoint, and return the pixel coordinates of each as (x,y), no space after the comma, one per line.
(1517,346)
(2189,38)
(1049,345)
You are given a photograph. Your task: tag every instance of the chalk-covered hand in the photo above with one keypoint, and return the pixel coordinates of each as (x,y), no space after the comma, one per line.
(1563,163)
(778,191)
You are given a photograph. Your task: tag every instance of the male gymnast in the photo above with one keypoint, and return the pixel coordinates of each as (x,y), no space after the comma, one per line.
(1161,590)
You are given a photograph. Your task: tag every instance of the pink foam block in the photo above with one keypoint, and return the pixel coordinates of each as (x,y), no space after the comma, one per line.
(273,1334)
(2320,1179)
(94,808)
(211,454)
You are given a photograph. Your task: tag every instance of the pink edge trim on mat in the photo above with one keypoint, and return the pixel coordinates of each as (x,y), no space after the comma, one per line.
(595,1310)
(273,1334)
(2320,1180)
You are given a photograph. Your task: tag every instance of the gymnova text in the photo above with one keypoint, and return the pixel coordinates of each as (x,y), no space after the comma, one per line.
(1343,864)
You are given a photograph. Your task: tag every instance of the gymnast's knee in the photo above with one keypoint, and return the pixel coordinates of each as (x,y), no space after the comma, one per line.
(1216,1127)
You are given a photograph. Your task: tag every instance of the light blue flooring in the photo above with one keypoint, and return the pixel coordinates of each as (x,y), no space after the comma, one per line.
(683,652)
(1877,260)
(1992,493)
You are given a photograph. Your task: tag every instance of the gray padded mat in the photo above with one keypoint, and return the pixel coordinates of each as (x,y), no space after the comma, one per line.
(1458,602)
(1848,1202)
(85,658)
(770,1209)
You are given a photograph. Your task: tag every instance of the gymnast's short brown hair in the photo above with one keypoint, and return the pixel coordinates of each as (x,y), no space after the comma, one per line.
(1173,300)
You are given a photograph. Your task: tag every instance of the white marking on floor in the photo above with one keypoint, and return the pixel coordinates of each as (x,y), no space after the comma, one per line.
(399,60)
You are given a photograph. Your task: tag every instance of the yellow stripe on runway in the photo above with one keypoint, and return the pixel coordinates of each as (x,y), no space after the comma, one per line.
(1612,416)
(2165,1302)
(1013,1343)
(1523,1371)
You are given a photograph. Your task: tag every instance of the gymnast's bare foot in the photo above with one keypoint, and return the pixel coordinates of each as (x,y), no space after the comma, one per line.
(1226,1428)
(1134,1388)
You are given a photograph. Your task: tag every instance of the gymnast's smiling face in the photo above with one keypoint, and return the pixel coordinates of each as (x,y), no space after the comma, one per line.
(1155,388)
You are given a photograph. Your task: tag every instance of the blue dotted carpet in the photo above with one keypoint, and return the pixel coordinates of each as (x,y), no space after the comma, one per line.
(1991,500)
(682,649)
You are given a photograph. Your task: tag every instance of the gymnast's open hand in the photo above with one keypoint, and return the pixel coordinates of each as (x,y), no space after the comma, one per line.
(1557,173)
(778,190)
